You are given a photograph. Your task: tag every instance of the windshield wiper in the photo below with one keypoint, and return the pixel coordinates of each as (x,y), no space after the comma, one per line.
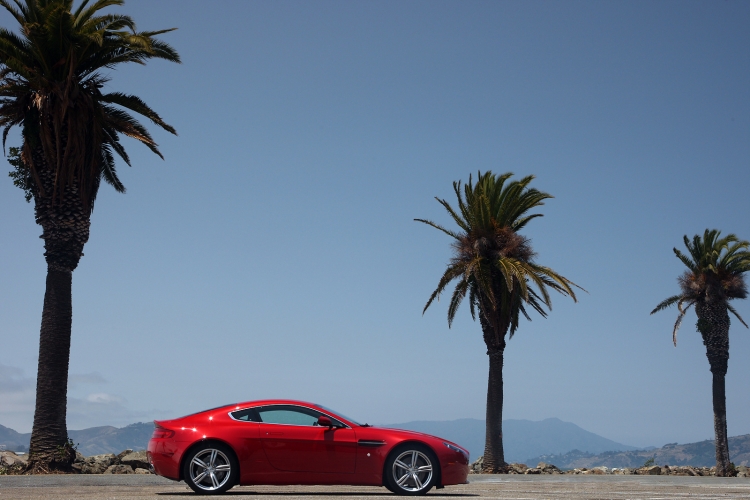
(366,425)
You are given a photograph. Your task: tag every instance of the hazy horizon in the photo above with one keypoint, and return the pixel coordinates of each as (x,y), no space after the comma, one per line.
(385,424)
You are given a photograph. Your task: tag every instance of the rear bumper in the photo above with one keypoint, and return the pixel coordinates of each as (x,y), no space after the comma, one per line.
(163,459)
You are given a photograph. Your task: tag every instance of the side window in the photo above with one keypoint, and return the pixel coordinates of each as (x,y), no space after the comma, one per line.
(248,415)
(290,415)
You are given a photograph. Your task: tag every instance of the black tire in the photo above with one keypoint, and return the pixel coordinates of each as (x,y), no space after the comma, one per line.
(210,468)
(411,469)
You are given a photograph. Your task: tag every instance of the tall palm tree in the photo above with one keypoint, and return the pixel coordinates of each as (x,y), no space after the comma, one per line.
(714,276)
(51,85)
(496,267)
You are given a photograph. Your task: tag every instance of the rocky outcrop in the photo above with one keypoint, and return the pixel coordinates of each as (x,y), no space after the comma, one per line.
(97,464)
(125,462)
(119,469)
(541,468)
(10,459)
(476,467)
(655,470)
(135,459)
(548,468)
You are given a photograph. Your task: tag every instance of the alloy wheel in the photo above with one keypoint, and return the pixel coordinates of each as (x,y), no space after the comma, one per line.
(412,471)
(210,469)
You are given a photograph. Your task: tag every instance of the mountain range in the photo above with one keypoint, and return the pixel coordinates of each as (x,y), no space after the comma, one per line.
(521,438)
(701,454)
(92,441)
(552,440)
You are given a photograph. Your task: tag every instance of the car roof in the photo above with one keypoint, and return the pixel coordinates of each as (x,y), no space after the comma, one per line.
(260,402)
(293,402)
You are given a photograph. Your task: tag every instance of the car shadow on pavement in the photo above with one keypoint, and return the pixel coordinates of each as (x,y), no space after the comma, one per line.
(230,494)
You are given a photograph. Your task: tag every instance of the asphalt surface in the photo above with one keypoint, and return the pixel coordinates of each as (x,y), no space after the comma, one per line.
(125,487)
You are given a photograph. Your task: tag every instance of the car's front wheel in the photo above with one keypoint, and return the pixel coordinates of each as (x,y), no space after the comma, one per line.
(411,469)
(211,468)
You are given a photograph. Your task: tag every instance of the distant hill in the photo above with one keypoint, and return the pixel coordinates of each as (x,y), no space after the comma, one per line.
(13,440)
(92,441)
(97,440)
(700,454)
(521,438)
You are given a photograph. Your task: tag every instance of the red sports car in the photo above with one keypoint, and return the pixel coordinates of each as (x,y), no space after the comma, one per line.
(293,442)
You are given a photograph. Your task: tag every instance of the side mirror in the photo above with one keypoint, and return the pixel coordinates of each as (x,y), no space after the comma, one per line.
(324,421)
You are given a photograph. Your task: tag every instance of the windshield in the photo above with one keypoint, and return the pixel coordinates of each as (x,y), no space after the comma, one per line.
(339,414)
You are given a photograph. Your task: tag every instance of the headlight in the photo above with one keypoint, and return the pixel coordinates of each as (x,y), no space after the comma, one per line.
(456,449)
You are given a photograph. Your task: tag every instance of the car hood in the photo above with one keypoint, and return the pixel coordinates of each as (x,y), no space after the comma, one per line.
(406,432)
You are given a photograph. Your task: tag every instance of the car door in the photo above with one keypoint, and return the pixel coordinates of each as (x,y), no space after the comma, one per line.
(294,442)
(241,431)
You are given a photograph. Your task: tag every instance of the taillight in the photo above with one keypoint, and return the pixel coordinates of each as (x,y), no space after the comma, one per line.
(161,433)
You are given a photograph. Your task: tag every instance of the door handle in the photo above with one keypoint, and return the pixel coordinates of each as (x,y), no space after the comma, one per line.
(274,433)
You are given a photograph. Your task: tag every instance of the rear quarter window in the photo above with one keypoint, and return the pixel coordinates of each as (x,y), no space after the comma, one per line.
(246,415)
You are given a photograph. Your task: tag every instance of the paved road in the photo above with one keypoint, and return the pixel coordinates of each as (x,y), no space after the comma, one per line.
(126,487)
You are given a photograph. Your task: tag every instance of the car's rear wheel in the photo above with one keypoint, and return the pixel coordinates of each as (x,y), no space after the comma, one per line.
(411,469)
(211,469)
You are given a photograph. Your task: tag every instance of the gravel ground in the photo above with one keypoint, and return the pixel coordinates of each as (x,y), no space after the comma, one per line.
(125,487)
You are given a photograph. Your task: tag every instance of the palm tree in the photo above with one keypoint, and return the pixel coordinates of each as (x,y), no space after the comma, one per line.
(496,267)
(715,275)
(51,85)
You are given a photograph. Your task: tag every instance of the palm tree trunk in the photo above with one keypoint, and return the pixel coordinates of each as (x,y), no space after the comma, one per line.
(494,456)
(713,323)
(720,426)
(65,225)
(49,435)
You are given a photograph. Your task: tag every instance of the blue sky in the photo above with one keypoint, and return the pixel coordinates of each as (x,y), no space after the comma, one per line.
(274,252)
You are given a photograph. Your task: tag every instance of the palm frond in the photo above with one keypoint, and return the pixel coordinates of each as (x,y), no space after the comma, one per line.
(667,303)
(134,103)
(508,273)
(458,295)
(82,15)
(732,310)
(473,302)
(439,227)
(679,319)
(18,15)
(108,170)
(561,283)
(690,264)
(483,279)
(536,302)
(114,142)
(163,50)
(521,223)
(449,275)
(463,224)
(541,282)
(737,258)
